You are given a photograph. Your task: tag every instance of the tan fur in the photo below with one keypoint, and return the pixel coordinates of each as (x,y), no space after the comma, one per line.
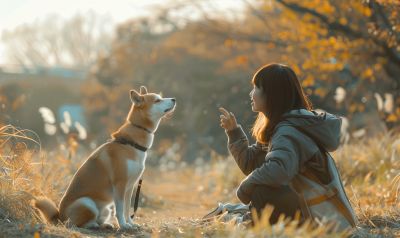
(111,171)
(48,209)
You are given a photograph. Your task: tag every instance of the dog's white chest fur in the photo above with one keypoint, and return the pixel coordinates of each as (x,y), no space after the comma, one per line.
(136,167)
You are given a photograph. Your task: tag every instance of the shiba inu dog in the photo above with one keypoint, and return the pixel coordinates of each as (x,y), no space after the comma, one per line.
(110,173)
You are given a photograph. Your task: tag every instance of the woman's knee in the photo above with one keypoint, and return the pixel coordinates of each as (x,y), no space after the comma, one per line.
(283,199)
(274,195)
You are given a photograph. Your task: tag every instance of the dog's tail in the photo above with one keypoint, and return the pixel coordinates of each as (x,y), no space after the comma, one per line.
(48,209)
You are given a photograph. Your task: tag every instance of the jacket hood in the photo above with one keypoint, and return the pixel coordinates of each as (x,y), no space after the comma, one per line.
(321,126)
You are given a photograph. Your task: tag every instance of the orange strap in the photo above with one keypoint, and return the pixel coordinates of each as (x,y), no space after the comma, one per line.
(322,198)
(332,195)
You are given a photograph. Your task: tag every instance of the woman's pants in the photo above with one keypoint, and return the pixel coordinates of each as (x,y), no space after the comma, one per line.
(283,198)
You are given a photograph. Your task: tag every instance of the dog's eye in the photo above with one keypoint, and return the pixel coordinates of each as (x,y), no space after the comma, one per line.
(157,100)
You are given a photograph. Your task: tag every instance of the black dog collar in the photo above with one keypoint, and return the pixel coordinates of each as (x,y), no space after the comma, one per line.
(129,142)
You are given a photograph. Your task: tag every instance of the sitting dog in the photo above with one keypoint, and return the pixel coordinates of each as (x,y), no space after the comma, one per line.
(110,173)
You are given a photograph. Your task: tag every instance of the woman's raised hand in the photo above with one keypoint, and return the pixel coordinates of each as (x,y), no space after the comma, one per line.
(228,120)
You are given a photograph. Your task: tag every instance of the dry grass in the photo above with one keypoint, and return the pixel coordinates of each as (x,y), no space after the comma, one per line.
(176,196)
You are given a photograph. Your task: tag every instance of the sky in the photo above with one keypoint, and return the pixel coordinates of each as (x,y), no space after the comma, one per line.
(17,12)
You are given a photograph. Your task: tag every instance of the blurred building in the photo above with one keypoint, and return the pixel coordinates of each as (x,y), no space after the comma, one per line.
(24,90)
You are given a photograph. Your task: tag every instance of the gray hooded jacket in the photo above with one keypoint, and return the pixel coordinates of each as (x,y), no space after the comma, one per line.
(296,157)
(288,151)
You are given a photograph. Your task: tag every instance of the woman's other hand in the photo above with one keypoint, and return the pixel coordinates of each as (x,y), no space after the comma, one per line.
(228,120)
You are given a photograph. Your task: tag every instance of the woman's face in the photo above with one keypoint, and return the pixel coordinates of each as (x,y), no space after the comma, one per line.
(257,99)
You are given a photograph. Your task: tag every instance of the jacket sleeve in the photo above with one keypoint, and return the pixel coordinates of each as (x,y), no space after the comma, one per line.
(247,157)
(280,166)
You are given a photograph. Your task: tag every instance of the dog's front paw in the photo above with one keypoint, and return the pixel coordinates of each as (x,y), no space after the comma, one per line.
(128,226)
(125,226)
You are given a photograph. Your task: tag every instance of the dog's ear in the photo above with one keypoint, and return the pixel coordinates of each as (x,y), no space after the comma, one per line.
(136,98)
(143,90)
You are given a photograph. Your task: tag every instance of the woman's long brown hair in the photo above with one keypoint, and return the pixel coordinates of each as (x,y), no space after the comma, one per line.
(282,92)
